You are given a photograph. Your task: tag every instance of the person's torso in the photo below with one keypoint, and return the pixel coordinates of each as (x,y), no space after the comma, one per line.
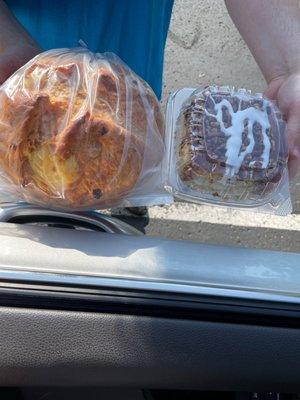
(135,30)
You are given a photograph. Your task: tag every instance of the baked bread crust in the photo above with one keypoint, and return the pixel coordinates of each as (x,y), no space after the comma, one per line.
(75,129)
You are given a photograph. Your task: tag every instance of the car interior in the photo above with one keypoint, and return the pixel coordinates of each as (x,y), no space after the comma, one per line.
(92,308)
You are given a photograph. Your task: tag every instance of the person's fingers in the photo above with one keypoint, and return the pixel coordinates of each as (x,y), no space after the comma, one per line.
(294,164)
(273,88)
(293,131)
(285,90)
(7,67)
(14,58)
(10,61)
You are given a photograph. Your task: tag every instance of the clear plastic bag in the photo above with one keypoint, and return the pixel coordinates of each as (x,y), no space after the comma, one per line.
(227,147)
(80,131)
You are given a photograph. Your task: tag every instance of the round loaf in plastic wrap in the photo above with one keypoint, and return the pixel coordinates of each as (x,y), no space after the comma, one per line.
(78,131)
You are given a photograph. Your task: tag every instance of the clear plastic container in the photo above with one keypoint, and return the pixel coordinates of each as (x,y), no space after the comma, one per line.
(227,147)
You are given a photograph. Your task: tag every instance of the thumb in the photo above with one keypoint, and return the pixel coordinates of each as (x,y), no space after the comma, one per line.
(293,131)
(14,58)
(7,67)
(274,85)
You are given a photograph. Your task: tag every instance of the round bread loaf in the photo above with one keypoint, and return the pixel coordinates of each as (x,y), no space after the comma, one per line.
(78,130)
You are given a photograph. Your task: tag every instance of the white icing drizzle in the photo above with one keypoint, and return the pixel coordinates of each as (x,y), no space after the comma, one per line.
(235,157)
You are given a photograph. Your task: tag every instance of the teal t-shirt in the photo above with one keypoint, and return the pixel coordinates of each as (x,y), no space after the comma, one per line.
(135,30)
